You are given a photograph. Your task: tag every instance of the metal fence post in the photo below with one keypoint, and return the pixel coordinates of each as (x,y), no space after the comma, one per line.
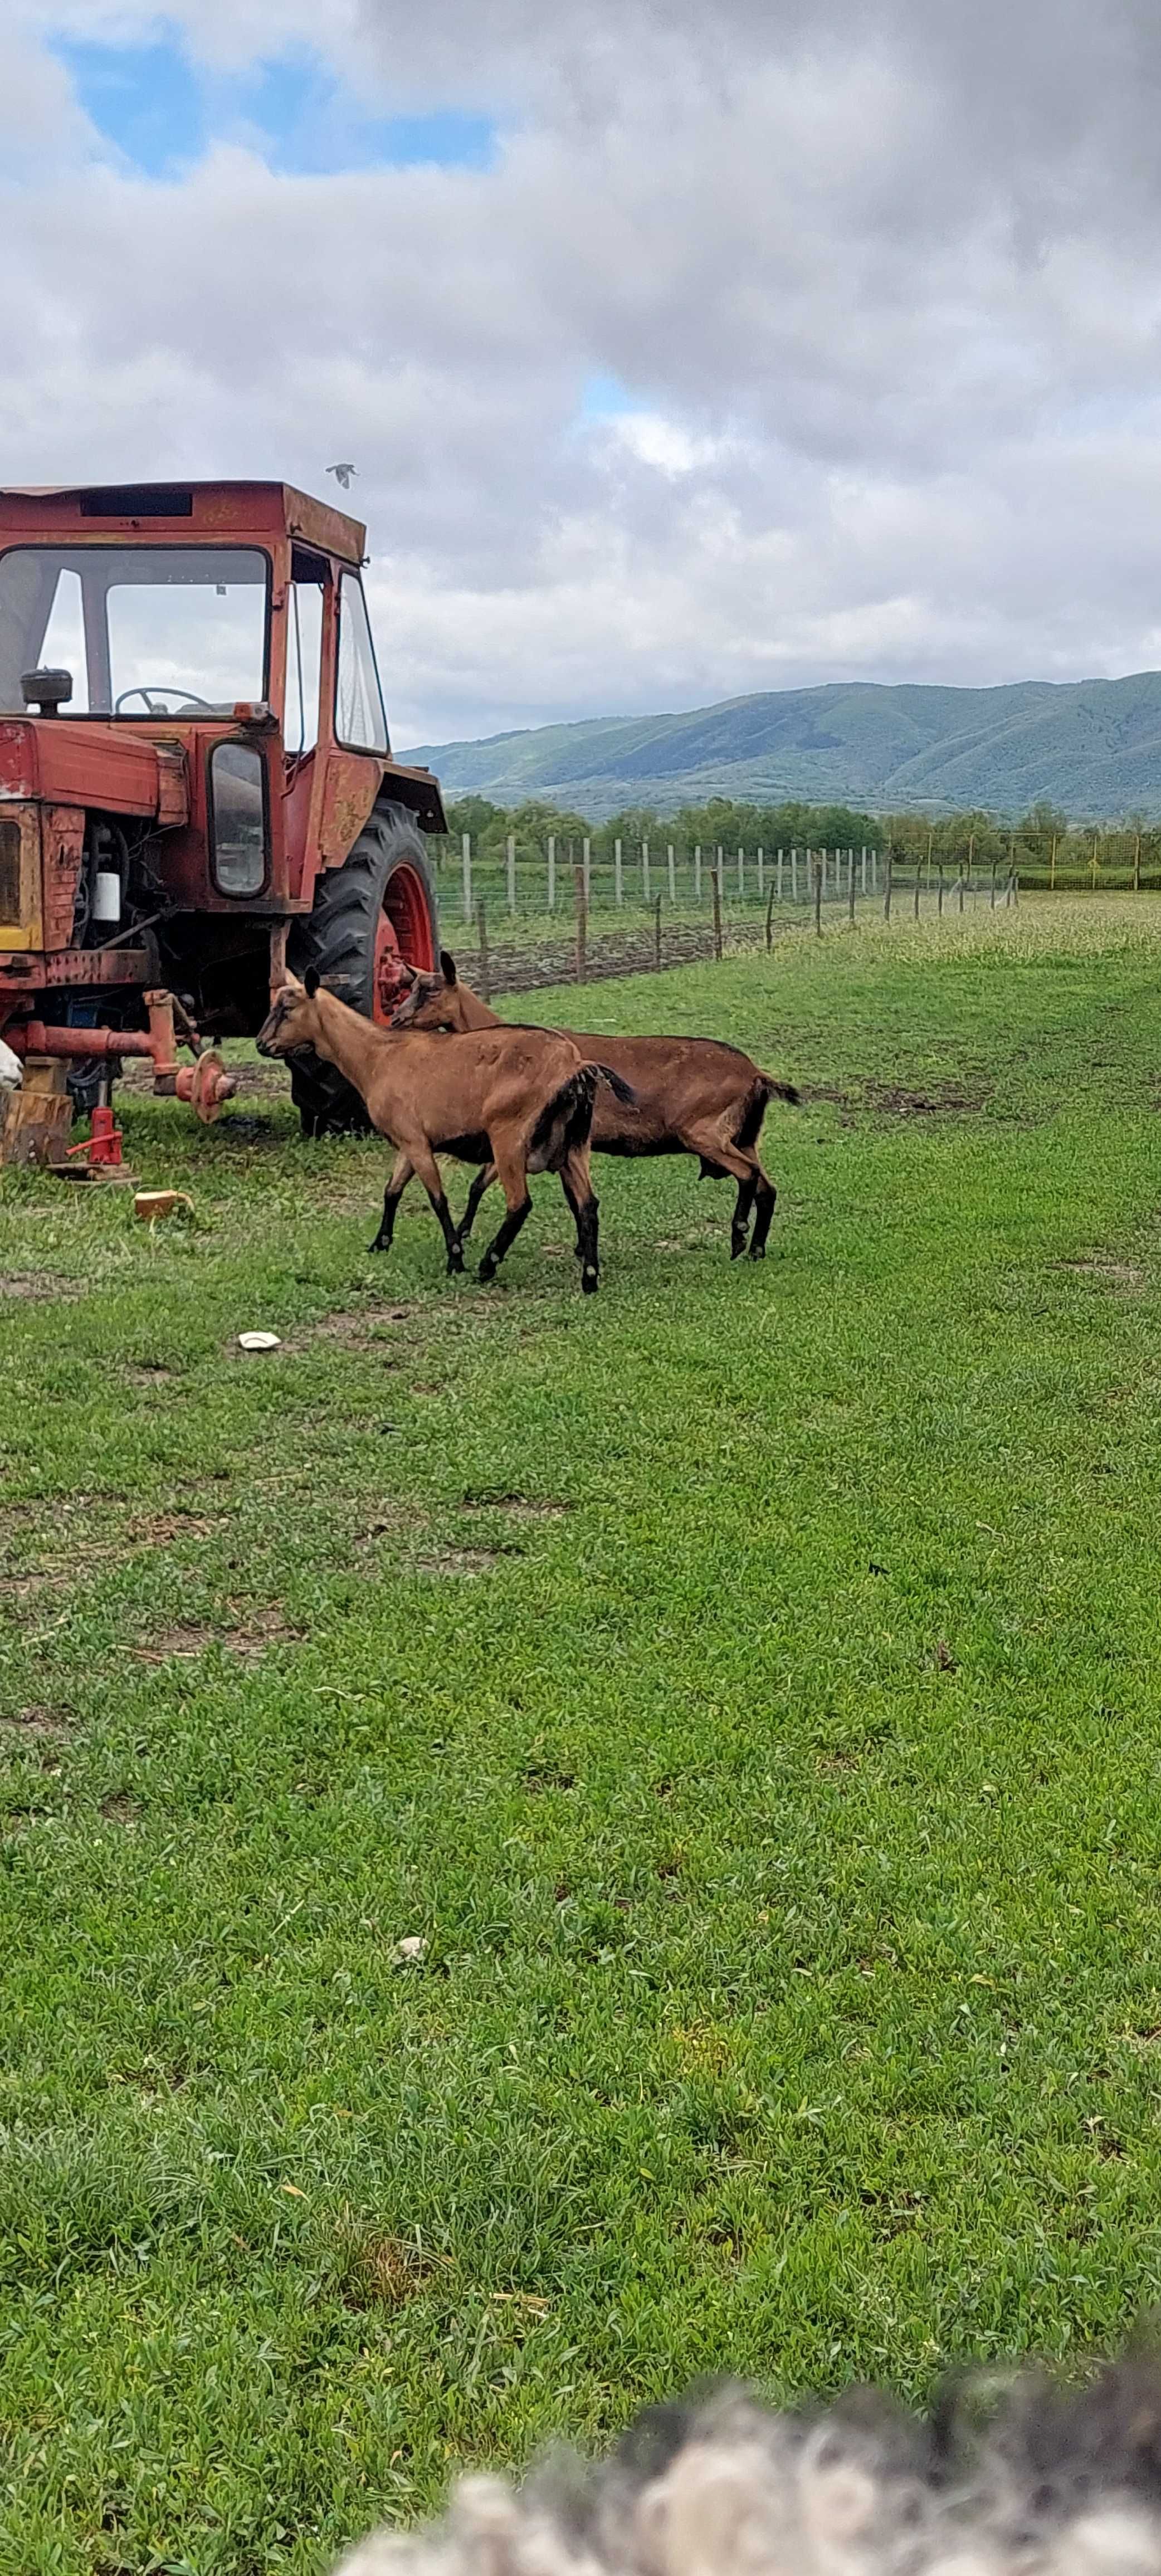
(657,933)
(864,867)
(851,890)
(778,877)
(697,871)
(770,922)
(582,927)
(587,864)
(645,871)
(819,873)
(794,876)
(672,880)
(511,872)
(761,872)
(618,875)
(552,871)
(466,855)
(716,888)
(887,888)
(742,874)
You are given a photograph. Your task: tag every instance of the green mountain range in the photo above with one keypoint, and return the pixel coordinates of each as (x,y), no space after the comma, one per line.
(1091,746)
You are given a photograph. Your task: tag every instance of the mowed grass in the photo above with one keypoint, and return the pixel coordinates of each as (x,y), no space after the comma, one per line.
(745,1683)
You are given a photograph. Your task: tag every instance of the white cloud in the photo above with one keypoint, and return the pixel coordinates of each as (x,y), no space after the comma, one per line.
(880,283)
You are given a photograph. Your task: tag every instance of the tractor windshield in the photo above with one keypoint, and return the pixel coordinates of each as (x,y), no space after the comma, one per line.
(143,630)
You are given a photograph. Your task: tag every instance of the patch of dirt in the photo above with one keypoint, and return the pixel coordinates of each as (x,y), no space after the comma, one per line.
(464,1561)
(148,1372)
(121,1809)
(382,2271)
(543,1507)
(39,1725)
(159,1529)
(187,1640)
(889,1099)
(391,1519)
(1115,1274)
(548,1775)
(39,1284)
(28,1587)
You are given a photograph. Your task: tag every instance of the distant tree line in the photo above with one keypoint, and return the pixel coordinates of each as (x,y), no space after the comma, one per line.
(1042,836)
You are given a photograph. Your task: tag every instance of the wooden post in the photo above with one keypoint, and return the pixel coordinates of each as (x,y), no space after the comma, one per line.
(1051,867)
(618,875)
(672,874)
(482,936)
(466,855)
(552,871)
(697,871)
(644,871)
(1137,866)
(742,874)
(851,888)
(761,872)
(778,876)
(889,876)
(930,847)
(864,867)
(939,909)
(794,876)
(582,926)
(587,864)
(657,933)
(818,868)
(716,890)
(511,872)
(770,922)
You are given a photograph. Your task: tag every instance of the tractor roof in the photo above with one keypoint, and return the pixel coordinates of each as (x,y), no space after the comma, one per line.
(84,513)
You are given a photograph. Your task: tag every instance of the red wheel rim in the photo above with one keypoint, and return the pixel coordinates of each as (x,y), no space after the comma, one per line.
(403,935)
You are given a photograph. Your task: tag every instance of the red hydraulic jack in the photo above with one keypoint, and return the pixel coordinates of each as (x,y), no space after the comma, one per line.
(102,1145)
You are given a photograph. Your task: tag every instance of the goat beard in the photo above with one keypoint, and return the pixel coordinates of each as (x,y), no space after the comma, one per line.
(1007,2477)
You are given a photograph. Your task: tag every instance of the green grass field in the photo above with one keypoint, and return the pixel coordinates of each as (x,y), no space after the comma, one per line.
(746,1682)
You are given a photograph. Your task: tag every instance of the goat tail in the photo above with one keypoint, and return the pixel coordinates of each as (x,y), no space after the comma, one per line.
(566,1119)
(762,1091)
(621,1091)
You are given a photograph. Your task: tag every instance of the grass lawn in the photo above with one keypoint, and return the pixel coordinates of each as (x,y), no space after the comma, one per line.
(746,1682)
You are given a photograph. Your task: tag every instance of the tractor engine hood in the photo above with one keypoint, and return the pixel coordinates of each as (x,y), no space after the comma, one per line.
(54,760)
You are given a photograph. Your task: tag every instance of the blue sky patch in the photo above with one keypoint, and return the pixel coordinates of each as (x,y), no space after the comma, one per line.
(605,398)
(162,111)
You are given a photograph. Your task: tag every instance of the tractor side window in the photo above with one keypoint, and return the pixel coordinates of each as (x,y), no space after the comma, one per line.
(304,626)
(63,648)
(359,718)
(238,818)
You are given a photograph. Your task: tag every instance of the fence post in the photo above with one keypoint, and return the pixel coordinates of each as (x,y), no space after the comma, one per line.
(587,864)
(552,871)
(794,876)
(770,922)
(970,856)
(618,875)
(761,872)
(851,889)
(1094,861)
(962,882)
(890,874)
(511,872)
(940,905)
(992,897)
(864,867)
(716,889)
(778,875)
(916,907)
(819,866)
(1051,866)
(657,933)
(930,847)
(482,936)
(582,926)
(466,855)
(697,871)
(645,871)
(719,870)
(742,873)
(874,871)
(672,876)
(1137,866)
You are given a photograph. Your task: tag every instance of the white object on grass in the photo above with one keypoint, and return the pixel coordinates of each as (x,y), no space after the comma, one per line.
(11,1069)
(259,1342)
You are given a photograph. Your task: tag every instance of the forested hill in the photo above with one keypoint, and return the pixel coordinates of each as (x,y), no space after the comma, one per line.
(1090,746)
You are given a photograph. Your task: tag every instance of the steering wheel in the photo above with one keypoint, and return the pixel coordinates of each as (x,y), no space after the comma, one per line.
(160,689)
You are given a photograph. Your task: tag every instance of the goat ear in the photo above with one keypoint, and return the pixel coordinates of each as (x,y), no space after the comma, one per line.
(447,966)
(310,982)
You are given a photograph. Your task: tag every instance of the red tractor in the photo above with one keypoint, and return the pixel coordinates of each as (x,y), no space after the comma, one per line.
(196,789)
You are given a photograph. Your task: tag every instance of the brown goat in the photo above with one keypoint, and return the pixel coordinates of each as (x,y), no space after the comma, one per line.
(690,1096)
(520,1101)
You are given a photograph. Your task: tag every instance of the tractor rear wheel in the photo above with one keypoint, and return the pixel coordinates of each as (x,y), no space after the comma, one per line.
(377,908)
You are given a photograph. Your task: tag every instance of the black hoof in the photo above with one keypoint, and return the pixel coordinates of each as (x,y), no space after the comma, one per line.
(757,1252)
(737,1246)
(378,1245)
(590,1282)
(486,1272)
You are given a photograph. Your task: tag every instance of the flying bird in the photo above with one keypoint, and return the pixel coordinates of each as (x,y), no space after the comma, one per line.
(342,474)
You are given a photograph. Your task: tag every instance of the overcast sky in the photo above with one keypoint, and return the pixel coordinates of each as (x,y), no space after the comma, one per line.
(683,347)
